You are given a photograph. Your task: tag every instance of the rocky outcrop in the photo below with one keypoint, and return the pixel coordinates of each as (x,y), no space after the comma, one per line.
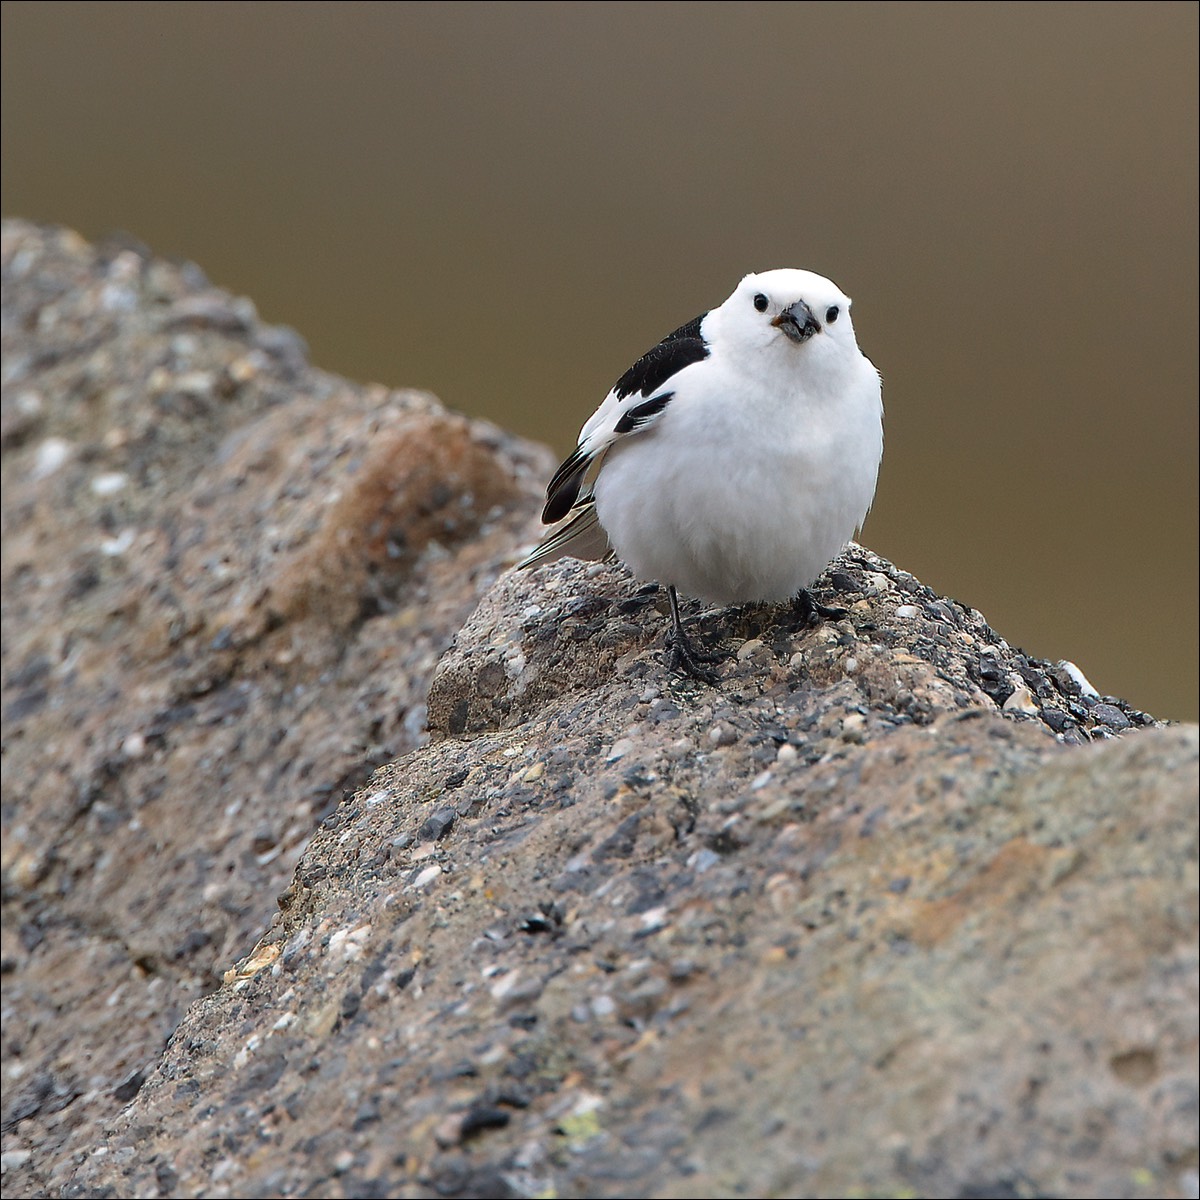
(894,910)
(226,578)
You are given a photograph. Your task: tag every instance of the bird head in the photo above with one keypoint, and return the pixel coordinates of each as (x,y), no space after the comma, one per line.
(787,312)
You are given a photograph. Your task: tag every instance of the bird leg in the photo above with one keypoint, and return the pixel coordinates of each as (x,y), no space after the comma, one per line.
(808,609)
(685,658)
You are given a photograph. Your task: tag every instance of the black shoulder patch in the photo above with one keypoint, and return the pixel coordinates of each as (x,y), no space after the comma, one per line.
(637,416)
(676,351)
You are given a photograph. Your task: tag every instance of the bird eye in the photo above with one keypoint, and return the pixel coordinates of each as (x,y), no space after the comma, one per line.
(760,302)
(831,314)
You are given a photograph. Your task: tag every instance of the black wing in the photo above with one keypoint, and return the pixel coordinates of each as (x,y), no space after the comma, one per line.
(676,351)
(564,487)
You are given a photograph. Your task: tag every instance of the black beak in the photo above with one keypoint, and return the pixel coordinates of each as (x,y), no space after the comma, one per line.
(797,322)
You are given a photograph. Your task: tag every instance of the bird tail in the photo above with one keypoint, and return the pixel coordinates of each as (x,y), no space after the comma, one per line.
(580,537)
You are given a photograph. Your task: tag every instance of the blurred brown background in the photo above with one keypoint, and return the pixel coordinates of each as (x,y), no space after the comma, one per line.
(507,203)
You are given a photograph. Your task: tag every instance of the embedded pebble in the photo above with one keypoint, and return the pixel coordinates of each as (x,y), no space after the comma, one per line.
(437,825)
(1078,678)
(620,748)
(50,456)
(427,876)
(1021,701)
(1110,715)
(113,547)
(10,1160)
(702,860)
(722,734)
(347,944)
(109,483)
(905,611)
(133,745)
(511,990)
(654,918)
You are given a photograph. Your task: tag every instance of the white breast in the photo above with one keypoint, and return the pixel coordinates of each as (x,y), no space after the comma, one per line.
(742,491)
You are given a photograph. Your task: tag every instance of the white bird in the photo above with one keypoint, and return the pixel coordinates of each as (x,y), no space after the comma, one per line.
(735,460)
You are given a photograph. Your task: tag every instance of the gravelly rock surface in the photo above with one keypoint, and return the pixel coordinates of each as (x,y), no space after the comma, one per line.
(842,926)
(894,910)
(226,578)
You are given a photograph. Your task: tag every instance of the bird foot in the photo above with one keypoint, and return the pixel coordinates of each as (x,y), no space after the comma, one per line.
(808,609)
(686,659)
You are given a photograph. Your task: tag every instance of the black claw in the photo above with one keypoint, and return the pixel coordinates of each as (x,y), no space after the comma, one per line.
(685,657)
(808,609)
(682,660)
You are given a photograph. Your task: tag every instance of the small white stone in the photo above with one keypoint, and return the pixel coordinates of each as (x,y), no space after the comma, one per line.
(1080,679)
(1021,701)
(620,748)
(906,611)
(654,918)
(349,943)
(680,748)
(427,876)
(222,1170)
(603,1006)
(195,383)
(787,755)
(760,780)
(10,1160)
(134,746)
(109,483)
(504,985)
(746,649)
(242,1057)
(29,404)
(49,456)
(116,546)
(850,666)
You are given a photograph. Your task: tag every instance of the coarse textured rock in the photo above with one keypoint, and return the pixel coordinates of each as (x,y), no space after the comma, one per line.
(894,910)
(882,935)
(226,580)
